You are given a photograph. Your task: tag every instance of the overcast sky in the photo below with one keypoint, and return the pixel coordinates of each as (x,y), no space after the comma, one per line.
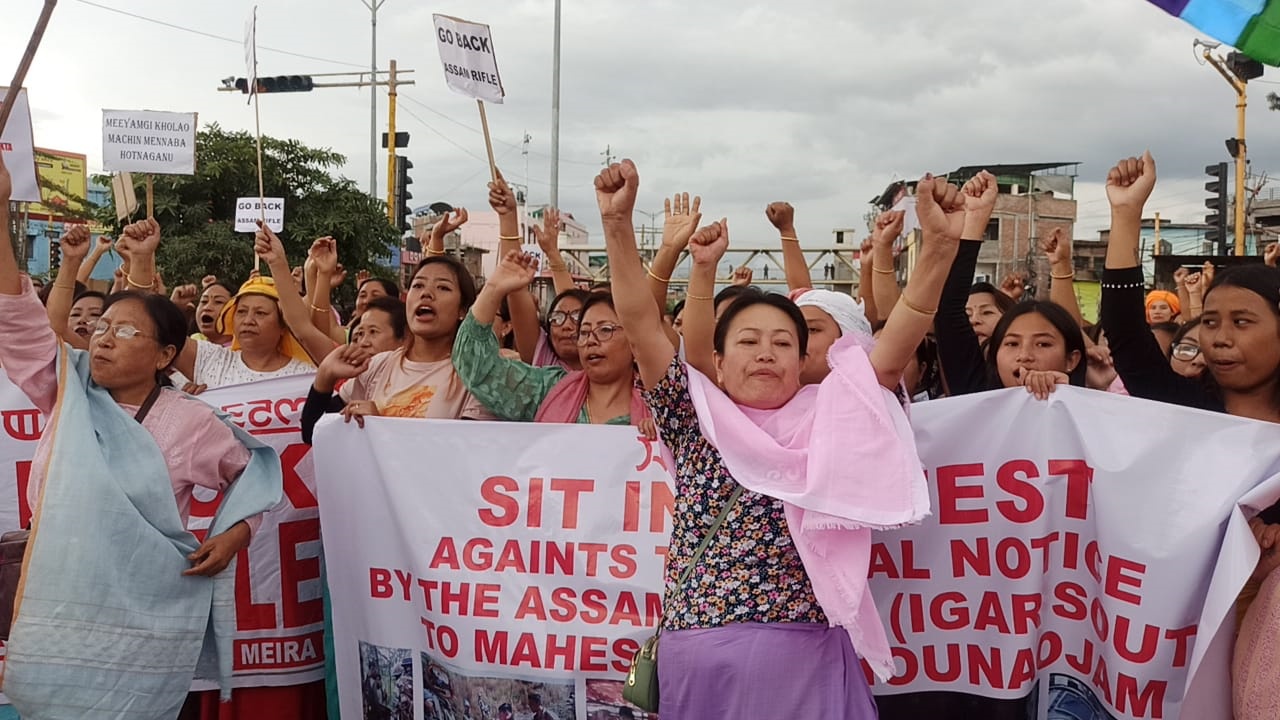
(818,102)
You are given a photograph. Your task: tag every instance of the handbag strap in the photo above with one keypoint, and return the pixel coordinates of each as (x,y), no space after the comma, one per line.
(702,546)
(146,404)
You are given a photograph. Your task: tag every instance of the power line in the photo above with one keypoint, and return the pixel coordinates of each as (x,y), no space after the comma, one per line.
(212,36)
(459,123)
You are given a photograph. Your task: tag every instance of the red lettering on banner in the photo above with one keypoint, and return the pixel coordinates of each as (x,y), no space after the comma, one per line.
(882,562)
(441,637)
(279,653)
(1148,703)
(1181,643)
(23,469)
(1146,652)
(931,669)
(380,584)
(250,615)
(650,457)
(296,570)
(593,654)
(1024,669)
(662,505)
(294,487)
(944,618)
(950,492)
(631,507)
(573,490)
(552,651)
(977,558)
(1071,601)
(23,425)
(625,649)
(1008,479)
(1116,567)
(590,607)
(1079,478)
(498,491)
(624,559)
(1100,679)
(986,662)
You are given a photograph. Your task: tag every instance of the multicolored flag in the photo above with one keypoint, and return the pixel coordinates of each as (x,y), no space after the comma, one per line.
(1252,26)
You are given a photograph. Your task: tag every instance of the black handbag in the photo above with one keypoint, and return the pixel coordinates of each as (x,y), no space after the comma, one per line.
(641,687)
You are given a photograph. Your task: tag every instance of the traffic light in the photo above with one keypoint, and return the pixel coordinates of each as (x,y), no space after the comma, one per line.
(1244,67)
(1217,202)
(278,84)
(402,195)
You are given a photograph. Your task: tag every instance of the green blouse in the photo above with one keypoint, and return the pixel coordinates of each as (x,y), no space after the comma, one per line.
(510,389)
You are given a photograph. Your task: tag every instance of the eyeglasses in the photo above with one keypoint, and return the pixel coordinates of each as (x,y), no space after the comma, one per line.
(120,332)
(561,317)
(1185,351)
(602,334)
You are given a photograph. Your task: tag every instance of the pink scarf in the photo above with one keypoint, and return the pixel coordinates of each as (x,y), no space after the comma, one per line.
(842,459)
(564,403)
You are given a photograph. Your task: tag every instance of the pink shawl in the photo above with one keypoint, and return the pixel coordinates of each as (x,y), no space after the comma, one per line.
(842,459)
(564,403)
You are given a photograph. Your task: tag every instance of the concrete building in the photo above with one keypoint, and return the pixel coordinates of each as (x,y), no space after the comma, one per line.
(481,234)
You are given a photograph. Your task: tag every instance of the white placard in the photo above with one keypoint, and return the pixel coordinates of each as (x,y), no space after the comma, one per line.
(251,50)
(18,145)
(146,141)
(249,212)
(466,53)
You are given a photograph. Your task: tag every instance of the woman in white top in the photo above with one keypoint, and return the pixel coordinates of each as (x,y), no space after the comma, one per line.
(271,333)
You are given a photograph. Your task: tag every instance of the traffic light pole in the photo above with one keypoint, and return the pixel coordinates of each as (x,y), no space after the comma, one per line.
(391,144)
(1241,155)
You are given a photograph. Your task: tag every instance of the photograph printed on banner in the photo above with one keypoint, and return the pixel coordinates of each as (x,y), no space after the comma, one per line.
(450,695)
(386,682)
(1074,699)
(604,702)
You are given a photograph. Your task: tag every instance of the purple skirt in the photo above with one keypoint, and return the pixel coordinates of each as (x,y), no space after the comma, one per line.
(762,671)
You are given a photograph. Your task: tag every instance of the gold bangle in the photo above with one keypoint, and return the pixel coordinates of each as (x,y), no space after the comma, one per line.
(1068,276)
(790,238)
(510,237)
(129,279)
(655,277)
(691,296)
(884,272)
(558,267)
(916,308)
(431,252)
(319,309)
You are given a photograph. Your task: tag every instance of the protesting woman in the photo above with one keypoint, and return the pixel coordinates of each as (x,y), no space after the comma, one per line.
(129,609)
(604,392)
(1239,339)
(1034,344)
(768,589)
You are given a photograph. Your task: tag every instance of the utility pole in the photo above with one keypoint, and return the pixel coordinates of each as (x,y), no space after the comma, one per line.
(555,114)
(373,6)
(608,155)
(1237,70)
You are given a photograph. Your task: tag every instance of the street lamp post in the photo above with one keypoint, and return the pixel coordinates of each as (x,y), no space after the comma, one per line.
(373,6)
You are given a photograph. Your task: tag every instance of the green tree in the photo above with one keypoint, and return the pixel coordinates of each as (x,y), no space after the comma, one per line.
(197,212)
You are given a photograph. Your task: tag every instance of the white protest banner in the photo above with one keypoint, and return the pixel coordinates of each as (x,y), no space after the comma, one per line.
(251,50)
(1069,566)
(279,612)
(472,563)
(18,145)
(250,210)
(466,52)
(147,141)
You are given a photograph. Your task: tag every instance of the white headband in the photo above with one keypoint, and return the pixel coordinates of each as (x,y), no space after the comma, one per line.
(842,308)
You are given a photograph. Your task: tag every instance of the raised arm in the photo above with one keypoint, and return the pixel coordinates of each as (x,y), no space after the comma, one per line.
(942,221)
(959,351)
(322,261)
(137,245)
(679,221)
(521,304)
(867,283)
(783,217)
(1062,273)
(99,249)
(548,237)
(10,278)
(885,277)
(297,317)
(1129,184)
(707,247)
(616,188)
(74,246)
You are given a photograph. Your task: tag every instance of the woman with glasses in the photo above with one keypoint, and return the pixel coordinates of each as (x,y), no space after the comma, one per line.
(112,578)
(603,392)
(1184,354)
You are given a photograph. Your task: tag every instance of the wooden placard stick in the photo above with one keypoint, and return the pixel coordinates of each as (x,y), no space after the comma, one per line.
(488,142)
